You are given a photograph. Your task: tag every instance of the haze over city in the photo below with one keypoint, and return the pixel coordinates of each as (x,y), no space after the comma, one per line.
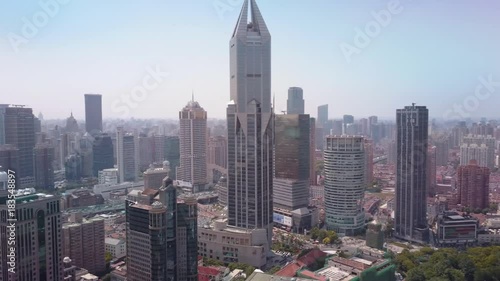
(429,52)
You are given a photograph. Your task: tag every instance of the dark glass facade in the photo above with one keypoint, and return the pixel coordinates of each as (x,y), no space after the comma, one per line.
(411,174)
(103,153)
(93,114)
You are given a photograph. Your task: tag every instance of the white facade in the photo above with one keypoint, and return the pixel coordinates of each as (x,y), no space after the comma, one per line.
(106,188)
(193,145)
(344,159)
(476,152)
(108,176)
(116,247)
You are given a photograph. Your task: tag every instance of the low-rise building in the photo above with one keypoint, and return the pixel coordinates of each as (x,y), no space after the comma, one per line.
(453,229)
(227,244)
(116,247)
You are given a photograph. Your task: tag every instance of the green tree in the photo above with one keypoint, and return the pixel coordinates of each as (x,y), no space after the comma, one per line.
(416,274)
(108,257)
(273,270)
(326,241)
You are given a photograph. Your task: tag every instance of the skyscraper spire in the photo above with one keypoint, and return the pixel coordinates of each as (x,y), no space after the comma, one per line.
(192,95)
(258,24)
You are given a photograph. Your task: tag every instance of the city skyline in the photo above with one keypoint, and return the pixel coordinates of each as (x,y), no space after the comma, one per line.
(71,56)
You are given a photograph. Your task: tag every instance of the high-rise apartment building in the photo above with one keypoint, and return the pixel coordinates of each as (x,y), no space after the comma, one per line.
(295,102)
(442,149)
(479,153)
(473,186)
(344,159)
(292,161)
(102,153)
(83,242)
(193,146)
(38,247)
(162,238)
(217,151)
(480,141)
(20,132)
(43,156)
(250,125)
(93,114)
(217,158)
(411,174)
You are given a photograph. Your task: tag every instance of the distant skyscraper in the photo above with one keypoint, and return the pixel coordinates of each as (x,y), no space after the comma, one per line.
(9,157)
(43,156)
(146,152)
(193,145)
(126,160)
(347,120)
(102,153)
(93,113)
(322,114)
(250,125)
(295,102)
(442,149)
(20,131)
(172,152)
(431,171)
(371,121)
(363,126)
(411,174)
(336,128)
(2,123)
(473,186)
(38,243)
(344,159)
(72,125)
(292,161)
(368,162)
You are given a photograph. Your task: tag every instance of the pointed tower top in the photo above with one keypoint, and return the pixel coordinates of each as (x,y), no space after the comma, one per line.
(192,95)
(256,25)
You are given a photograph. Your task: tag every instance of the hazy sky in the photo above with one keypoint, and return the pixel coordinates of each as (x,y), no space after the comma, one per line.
(431,52)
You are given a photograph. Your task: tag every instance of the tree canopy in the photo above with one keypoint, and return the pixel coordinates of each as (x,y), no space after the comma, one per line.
(474,264)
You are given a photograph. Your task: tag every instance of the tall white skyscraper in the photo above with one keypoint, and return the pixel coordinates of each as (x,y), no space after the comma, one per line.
(250,125)
(193,145)
(126,150)
(344,159)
